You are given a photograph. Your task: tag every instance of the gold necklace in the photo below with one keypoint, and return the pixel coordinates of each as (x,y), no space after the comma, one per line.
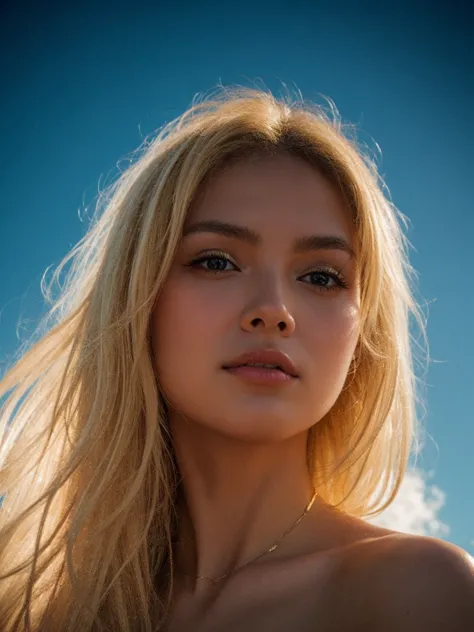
(272,548)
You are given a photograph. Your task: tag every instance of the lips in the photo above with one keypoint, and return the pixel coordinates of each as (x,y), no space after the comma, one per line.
(265,356)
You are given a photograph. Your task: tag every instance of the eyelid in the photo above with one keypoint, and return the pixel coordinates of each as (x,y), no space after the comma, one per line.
(316,267)
(324,266)
(214,253)
(225,255)
(219,253)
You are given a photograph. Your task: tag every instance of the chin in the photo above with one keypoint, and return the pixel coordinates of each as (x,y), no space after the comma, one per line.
(256,427)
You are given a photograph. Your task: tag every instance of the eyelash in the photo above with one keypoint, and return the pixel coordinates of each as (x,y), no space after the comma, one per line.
(336,276)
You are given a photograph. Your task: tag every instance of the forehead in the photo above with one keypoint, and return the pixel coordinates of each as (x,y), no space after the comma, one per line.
(274,192)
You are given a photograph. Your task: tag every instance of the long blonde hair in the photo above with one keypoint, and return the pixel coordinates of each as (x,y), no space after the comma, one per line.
(87,467)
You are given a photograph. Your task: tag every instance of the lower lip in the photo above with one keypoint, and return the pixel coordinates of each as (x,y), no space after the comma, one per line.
(261,375)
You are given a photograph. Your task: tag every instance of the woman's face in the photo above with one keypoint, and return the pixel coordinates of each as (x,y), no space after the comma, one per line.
(248,295)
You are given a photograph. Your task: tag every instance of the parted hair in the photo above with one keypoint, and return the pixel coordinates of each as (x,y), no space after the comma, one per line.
(87,468)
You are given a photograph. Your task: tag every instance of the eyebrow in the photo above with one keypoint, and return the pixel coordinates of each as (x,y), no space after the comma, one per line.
(301,245)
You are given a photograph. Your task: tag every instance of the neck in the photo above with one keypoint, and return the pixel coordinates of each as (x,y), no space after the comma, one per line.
(236,500)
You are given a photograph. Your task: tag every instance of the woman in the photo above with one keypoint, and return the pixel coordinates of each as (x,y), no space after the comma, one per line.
(225,392)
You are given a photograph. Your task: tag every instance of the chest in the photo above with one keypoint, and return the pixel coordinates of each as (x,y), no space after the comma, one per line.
(300,598)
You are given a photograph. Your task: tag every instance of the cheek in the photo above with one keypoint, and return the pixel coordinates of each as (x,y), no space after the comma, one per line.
(329,338)
(188,313)
(342,330)
(184,324)
(331,343)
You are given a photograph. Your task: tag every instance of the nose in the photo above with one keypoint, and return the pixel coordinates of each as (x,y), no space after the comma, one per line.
(268,311)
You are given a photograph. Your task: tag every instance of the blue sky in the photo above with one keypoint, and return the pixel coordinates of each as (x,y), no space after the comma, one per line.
(83,86)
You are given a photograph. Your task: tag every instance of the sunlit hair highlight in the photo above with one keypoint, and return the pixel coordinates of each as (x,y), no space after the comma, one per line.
(86,461)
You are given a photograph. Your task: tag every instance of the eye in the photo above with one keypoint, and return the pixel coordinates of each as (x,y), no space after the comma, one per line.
(335,275)
(218,259)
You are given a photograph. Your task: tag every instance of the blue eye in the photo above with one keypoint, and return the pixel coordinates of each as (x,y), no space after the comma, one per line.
(220,259)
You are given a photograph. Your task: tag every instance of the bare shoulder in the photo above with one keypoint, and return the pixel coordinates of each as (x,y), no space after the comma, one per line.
(421,583)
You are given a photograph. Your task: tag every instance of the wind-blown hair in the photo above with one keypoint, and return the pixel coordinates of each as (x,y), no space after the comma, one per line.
(87,466)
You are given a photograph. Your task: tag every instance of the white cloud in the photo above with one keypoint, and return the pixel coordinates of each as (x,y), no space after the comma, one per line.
(416,507)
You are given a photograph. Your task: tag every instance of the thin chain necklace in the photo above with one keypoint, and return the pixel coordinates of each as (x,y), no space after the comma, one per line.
(272,548)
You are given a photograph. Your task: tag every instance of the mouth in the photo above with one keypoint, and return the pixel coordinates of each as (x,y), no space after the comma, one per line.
(269,359)
(261,374)
(261,365)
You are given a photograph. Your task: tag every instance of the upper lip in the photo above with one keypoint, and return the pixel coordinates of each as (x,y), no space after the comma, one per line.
(265,356)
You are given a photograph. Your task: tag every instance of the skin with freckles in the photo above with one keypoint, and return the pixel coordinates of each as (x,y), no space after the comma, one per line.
(241,447)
